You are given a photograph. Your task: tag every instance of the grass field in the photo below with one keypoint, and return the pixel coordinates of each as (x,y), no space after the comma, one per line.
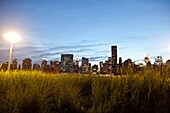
(37,92)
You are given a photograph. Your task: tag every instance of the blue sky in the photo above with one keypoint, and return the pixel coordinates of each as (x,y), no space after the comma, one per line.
(87,28)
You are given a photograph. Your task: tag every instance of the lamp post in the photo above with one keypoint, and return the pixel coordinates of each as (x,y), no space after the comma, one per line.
(12,38)
(10,56)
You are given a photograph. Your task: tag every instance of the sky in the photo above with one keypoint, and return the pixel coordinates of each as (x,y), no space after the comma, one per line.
(86,28)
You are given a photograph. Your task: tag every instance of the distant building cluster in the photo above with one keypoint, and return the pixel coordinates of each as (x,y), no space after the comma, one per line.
(67,65)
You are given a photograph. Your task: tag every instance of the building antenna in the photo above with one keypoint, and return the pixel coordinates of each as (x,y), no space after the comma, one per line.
(77,57)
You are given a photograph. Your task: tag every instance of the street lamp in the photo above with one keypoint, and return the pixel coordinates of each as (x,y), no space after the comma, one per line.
(12,38)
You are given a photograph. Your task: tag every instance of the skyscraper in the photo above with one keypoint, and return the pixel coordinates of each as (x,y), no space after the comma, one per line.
(67,63)
(114,55)
(44,65)
(27,64)
(114,58)
(85,65)
(76,65)
(14,64)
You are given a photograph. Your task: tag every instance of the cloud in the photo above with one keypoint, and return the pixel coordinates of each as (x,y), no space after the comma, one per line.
(95,51)
(77,46)
(124,47)
(69,48)
(63,52)
(98,58)
(52,51)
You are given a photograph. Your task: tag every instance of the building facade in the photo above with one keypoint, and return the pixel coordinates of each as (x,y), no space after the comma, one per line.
(168,64)
(85,65)
(67,63)
(114,58)
(27,64)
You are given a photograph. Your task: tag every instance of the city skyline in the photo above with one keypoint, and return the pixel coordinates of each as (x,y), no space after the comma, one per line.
(87,28)
(67,65)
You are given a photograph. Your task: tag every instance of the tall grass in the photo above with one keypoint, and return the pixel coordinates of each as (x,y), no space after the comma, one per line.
(37,92)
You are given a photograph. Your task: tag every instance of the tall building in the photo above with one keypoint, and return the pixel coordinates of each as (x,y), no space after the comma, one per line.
(67,63)
(77,61)
(101,67)
(120,60)
(114,55)
(85,65)
(36,66)
(120,65)
(14,64)
(43,65)
(27,64)
(57,67)
(76,65)
(168,64)
(114,58)
(105,68)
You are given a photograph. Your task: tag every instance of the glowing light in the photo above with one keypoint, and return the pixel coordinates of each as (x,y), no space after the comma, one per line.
(12,37)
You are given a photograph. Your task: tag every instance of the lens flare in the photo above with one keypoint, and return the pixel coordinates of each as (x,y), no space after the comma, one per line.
(12,37)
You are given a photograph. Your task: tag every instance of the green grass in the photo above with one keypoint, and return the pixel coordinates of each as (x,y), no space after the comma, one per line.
(37,92)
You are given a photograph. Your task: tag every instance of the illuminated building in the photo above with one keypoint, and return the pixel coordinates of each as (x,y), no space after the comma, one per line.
(67,63)
(114,58)
(85,65)
(101,67)
(43,65)
(114,55)
(76,65)
(95,69)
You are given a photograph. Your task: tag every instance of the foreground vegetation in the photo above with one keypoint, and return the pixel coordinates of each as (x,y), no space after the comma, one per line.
(37,92)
